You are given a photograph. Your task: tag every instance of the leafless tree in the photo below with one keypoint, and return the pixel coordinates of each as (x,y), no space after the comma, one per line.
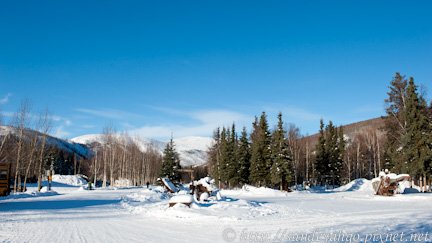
(21,120)
(3,140)
(45,126)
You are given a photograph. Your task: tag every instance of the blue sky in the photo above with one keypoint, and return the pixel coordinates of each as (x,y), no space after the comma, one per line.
(156,67)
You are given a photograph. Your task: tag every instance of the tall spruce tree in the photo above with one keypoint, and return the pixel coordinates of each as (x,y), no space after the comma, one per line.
(395,123)
(341,151)
(408,129)
(321,156)
(261,153)
(170,162)
(416,145)
(233,166)
(329,154)
(243,158)
(213,155)
(333,147)
(224,158)
(280,171)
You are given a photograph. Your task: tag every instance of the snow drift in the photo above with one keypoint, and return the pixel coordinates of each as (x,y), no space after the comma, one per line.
(361,185)
(71,180)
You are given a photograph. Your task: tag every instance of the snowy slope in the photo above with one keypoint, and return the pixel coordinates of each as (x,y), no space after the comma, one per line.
(192,150)
(64,145)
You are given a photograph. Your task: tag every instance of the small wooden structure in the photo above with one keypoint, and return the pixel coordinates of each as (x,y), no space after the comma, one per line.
(187,174)
(4,179)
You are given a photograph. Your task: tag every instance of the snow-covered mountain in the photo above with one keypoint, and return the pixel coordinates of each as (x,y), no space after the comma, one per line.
(192,150)
(67,146)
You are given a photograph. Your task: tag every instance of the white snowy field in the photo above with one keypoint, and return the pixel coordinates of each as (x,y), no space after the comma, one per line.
(349,214)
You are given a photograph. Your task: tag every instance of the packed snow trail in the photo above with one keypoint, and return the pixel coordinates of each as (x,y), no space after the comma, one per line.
(82,216)
(244,215)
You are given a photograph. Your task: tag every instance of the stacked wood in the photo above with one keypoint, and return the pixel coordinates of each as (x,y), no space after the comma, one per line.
(387,183)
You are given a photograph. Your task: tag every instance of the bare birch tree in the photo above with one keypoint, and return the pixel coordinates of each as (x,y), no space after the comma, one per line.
(20,123)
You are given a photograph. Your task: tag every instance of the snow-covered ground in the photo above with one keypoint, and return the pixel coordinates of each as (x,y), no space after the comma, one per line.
(250,214)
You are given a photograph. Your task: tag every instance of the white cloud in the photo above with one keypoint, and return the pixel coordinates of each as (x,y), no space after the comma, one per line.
(5,99)
(64,120)
(109,113)
(60,132)
(206,122)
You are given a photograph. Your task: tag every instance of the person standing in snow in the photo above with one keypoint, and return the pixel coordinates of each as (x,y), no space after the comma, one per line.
(148,184)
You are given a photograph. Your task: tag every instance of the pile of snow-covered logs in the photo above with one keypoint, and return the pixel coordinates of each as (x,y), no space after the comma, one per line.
(387,183)
(203,189)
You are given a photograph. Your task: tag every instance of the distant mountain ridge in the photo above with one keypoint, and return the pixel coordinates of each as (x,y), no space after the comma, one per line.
(192,150)
(354,129)
(67,146)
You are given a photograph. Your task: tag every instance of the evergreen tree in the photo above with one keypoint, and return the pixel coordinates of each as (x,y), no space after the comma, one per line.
(417,142)
(329,154)
(334,150)
(261,153)
(170,163)
(243,158)
(213,155)
(321,156)
(225,155)
(395,123)
(233,165)
(341,151)
(408,129)
(280,171)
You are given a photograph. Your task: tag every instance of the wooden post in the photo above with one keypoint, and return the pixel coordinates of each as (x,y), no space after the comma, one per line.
(430,184)
(421,184)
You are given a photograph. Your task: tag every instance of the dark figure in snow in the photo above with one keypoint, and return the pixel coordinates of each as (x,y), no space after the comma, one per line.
(148,184)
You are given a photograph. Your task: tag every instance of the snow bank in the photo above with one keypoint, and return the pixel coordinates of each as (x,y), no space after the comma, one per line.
(138,201)
(360,185)
(251,191)
(72,180)
(123,183)
(155,204)
(43,193)
(181,199)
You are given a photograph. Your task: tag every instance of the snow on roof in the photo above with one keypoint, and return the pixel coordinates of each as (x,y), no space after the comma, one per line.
(169,185)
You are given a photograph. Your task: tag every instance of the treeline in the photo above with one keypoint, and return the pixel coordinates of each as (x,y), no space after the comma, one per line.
(263,158)
(24,146)
(119,161)
(278,157)
(329,155)
(27,147)
(281,157)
